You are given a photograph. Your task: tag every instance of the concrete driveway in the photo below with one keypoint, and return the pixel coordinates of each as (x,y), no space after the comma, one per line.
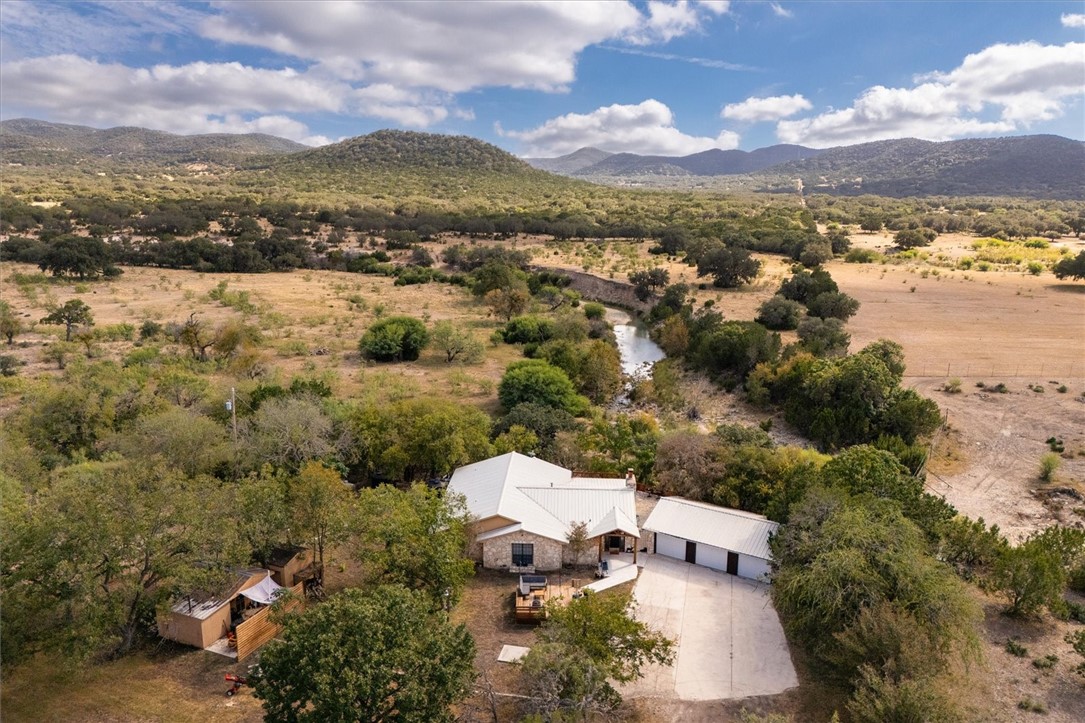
(730,642)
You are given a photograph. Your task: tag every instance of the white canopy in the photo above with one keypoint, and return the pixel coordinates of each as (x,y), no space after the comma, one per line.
(264,592)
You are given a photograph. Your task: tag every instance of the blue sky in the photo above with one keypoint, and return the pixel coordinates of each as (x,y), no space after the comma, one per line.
(545,78)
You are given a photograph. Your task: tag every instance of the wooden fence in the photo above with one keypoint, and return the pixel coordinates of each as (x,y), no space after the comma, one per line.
(259,629)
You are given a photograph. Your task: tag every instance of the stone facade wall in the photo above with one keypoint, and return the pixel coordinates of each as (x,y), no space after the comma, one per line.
(590,556)
(497,553)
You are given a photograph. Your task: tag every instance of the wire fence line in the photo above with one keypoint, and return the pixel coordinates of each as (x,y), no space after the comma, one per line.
(1044,371)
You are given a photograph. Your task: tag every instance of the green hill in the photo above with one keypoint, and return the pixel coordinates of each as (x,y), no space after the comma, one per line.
(1040,166)
(34,142)
(415,169)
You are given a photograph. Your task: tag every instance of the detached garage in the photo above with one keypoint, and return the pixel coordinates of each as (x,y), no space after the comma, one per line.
(717,537)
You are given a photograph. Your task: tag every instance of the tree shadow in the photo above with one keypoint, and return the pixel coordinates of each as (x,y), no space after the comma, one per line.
(1067,288)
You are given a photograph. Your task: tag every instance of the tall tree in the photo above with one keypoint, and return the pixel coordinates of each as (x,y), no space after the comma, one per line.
(416,439)
(105,545)
(456,343)
(731,267)
(72,314)
(288,432)
(381,655)
(1070,268)
(415,538)
(84,257)
(604,629)
(320,506)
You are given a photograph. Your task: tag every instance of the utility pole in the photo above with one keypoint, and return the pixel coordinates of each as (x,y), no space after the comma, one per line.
(231,406)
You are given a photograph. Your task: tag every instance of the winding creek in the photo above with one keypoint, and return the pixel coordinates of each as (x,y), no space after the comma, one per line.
(635,346)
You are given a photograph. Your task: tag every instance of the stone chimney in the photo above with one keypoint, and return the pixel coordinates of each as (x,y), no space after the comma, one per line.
(630,479)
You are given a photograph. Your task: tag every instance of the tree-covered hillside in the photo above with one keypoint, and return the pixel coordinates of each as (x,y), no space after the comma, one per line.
(29,141)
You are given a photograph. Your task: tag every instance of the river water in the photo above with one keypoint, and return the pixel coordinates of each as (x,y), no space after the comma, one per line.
(637,350)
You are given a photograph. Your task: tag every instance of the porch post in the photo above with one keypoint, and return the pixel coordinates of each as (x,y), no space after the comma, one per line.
(600,538)
(636,548)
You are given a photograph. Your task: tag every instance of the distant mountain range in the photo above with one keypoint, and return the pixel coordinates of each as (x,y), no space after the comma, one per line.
(593,162)
(1040,166)
(25,140)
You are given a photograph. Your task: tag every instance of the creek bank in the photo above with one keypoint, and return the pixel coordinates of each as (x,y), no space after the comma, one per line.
(606,291)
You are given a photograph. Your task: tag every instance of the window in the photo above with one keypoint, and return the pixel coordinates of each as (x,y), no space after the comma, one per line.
(523,554)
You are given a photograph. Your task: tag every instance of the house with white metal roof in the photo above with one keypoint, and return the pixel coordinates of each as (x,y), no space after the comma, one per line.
(717,537)
(524,510)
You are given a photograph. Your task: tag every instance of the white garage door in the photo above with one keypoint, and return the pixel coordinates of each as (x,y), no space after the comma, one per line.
(753,567)
(713,557)
(671,546)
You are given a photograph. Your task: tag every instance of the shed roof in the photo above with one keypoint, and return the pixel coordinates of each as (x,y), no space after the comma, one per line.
(203,608)
(735,530)
(543,498)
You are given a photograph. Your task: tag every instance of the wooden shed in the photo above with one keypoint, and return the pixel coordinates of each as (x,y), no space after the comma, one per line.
(206,622)
(291,565)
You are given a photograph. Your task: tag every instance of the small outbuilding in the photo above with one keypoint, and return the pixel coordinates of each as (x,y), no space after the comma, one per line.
(291,565)
(235,623)
(723,539)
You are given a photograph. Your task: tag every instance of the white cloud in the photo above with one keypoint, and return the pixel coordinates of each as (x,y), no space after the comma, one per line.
(1001,89)
(780,11)
(452,47)
(666,21)
(194,98)
(646,128)
(719,7)
(766,109)
(407,107)
(1073,20)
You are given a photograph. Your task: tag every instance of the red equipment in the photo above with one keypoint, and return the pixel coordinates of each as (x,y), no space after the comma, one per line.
(237,681)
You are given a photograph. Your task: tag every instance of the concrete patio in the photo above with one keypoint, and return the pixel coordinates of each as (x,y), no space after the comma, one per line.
(622,570)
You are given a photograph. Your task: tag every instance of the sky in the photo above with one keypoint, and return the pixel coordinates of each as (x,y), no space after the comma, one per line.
(668,77)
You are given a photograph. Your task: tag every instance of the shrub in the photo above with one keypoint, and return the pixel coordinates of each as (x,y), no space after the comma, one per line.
(1049,465)
(862,256)
(1046,663)
(833,305)
(912,238)
(537,381)
(1015,648)
(823,337)
(594,310)
(1032,706)
(779,314)
(397,338)
(150,330)
(527,330)
(952,386)
(9,365)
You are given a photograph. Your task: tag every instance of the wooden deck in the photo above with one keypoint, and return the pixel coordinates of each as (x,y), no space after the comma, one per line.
(559,589)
